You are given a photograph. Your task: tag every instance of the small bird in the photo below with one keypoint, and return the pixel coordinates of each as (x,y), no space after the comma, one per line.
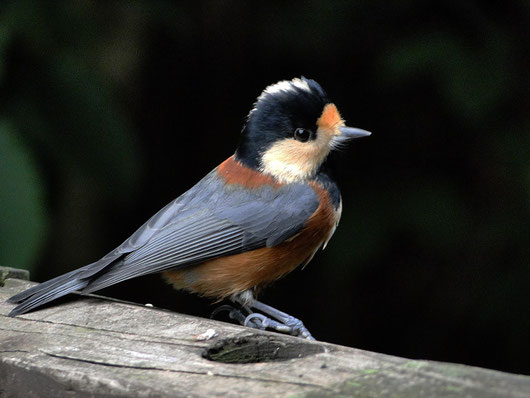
(257,216)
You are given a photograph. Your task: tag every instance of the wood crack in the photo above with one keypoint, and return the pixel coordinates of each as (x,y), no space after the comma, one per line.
(199,373)
(113,332)
(14,351)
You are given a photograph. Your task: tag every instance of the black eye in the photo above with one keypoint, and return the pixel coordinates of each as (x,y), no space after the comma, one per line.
(302,135)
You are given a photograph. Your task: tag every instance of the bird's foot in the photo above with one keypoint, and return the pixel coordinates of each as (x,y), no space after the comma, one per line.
(236,315)
(273,318)
(287,324)
(282,323)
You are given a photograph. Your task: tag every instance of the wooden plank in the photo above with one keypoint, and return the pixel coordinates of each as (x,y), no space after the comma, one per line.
(94,346)
(8,272)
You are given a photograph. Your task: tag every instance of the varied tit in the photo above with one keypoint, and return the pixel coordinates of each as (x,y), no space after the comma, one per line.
(257,216)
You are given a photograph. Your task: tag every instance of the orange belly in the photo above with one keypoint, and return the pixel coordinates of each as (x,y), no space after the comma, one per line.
(225,276)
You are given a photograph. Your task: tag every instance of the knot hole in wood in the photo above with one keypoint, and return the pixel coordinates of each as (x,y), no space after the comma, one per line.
(260,348)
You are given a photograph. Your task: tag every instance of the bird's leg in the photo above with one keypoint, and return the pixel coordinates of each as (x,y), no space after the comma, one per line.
(288,324)
(282,322)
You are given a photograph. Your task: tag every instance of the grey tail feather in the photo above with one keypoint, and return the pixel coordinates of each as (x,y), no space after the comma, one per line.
(48,295)
(52,283)
(54,288)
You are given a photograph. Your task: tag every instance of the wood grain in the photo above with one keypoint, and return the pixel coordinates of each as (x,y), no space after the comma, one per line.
(90,346)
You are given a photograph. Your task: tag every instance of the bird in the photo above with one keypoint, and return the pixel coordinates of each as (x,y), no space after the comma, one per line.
(257,216)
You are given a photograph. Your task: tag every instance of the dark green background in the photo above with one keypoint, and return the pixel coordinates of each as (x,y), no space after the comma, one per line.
(108,110)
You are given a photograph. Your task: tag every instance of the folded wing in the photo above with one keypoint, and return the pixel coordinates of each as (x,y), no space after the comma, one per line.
(210,220)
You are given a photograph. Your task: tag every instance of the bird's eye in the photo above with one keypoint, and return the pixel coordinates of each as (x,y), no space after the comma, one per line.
(302,135)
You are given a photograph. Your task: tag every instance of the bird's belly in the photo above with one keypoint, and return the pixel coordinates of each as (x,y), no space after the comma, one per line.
(222,277)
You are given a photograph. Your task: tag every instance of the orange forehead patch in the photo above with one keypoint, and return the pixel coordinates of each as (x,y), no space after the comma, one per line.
(330,118)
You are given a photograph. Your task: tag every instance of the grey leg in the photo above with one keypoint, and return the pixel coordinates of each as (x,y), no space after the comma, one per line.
(282,322)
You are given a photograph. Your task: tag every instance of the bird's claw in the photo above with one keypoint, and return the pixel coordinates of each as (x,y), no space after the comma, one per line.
(274,319)
(237,315)
(257,321)
(297,328)
(291,325)
(285,323)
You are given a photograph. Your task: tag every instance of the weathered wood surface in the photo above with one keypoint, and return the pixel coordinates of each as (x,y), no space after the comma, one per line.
(92,346)
(8,272)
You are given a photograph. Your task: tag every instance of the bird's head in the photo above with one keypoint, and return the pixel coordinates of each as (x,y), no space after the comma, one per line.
(291,130)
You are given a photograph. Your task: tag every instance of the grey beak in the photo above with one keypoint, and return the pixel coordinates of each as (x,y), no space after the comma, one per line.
(349,133)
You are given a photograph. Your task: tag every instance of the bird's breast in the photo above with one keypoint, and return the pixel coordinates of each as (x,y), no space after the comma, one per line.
(225,276)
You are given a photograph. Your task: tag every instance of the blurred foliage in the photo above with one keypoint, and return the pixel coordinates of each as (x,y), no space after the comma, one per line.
(22,214)
(471,76)
(62,102)
(66,117)
(108,110)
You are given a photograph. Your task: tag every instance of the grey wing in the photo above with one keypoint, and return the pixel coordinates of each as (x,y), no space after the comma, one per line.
(208,221)
(217,223)
(194,238)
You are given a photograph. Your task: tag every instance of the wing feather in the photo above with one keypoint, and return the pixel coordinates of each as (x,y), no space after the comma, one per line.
(210,220)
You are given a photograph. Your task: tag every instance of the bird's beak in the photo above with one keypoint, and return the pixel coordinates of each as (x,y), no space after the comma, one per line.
(349,133)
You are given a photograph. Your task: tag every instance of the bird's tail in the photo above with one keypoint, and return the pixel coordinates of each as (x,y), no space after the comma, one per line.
(54,288)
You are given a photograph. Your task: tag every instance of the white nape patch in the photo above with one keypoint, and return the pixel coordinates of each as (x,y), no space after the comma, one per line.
(283,85)
(286,85)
